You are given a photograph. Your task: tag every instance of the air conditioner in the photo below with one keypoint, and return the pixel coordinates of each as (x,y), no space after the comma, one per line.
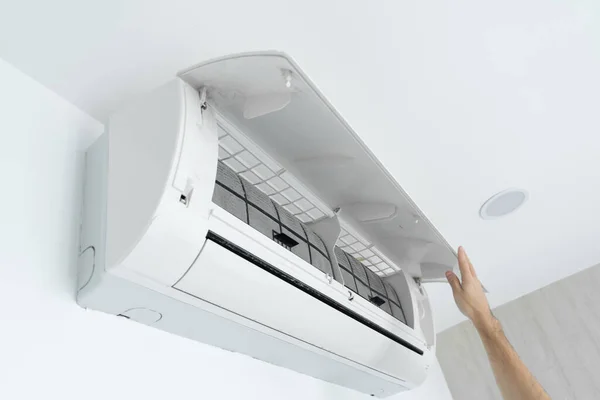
(235,206)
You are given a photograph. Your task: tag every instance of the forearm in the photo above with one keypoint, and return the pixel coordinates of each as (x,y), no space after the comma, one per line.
(512,376)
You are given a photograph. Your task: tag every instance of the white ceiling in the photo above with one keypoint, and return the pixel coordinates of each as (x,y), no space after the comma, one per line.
(458,99)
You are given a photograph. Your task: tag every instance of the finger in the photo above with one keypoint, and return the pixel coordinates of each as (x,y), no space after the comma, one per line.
(464,264)
(471,268)
(454,282)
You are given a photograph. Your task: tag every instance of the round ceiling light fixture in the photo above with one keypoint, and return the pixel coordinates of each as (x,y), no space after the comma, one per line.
(503,203)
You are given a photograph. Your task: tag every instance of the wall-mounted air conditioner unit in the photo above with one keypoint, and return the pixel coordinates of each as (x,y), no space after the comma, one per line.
(235,206)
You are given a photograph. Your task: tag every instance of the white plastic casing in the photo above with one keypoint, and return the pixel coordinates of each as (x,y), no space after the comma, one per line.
(145,256)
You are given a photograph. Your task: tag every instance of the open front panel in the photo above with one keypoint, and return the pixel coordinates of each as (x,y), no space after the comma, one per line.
(268,98)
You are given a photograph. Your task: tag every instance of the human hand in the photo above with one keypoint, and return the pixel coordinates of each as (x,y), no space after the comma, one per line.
(469,295)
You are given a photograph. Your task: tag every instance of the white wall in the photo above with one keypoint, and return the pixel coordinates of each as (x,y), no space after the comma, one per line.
(48,345)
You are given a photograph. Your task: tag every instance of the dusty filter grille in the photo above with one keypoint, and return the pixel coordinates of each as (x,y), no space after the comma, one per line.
(266,178)
(243,200)
(252,164)
(366,253)
(369,285)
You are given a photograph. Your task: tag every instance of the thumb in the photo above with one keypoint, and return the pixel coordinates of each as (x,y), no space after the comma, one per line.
(453,281)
